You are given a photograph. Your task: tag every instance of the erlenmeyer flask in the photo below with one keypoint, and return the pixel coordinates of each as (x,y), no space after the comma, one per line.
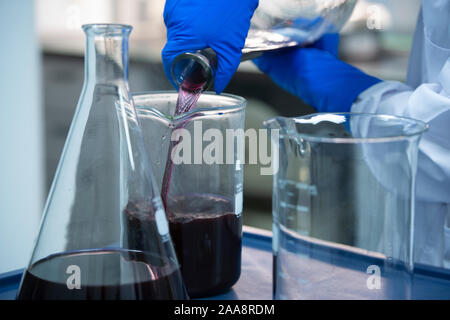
(104,234)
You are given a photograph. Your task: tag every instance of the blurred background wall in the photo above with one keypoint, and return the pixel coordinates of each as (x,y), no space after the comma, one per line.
(22,144)
(42,75)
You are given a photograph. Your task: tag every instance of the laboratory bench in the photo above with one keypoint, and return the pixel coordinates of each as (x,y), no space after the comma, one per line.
(255,282)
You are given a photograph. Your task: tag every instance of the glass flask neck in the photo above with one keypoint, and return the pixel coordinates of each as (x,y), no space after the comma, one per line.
(106,59)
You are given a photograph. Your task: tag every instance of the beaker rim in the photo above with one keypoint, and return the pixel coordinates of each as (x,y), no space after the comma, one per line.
(107,28)
(238,104)
(416,127)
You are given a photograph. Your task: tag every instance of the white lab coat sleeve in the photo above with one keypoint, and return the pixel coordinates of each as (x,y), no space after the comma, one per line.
(430,102)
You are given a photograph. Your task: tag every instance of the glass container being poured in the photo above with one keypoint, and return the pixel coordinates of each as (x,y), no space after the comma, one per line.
(275,25)
(104,233)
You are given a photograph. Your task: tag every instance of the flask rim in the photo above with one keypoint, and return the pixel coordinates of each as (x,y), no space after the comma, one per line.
(197,57)
(107,28)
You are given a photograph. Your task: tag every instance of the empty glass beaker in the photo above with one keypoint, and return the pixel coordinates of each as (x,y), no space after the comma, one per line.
(104,234)
(204,195)
(343,206)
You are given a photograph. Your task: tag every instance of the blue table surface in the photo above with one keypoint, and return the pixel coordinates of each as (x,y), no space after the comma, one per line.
(255,282)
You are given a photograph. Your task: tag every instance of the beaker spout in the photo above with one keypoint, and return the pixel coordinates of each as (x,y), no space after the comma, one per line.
(283,124)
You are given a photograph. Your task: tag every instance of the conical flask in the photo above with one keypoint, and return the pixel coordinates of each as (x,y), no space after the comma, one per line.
(104,234)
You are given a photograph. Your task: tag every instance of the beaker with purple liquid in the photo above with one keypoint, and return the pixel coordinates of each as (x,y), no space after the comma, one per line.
(203,196)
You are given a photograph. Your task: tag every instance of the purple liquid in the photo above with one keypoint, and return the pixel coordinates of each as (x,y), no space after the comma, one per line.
(188,96)
(207,236)
(140,231)
(105,275)
(206,233)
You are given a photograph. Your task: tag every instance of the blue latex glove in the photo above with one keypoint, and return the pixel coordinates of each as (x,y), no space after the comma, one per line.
(316,75)
(197,24)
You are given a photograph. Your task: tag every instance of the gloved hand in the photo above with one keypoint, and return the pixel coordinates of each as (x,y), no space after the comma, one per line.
(197,24)
(316,75)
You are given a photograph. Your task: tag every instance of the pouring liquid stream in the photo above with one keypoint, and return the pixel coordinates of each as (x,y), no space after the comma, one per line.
(188,95)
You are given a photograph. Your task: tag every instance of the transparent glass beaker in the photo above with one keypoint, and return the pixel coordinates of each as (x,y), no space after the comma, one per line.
(104,234)
(343,206)
(204,198)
